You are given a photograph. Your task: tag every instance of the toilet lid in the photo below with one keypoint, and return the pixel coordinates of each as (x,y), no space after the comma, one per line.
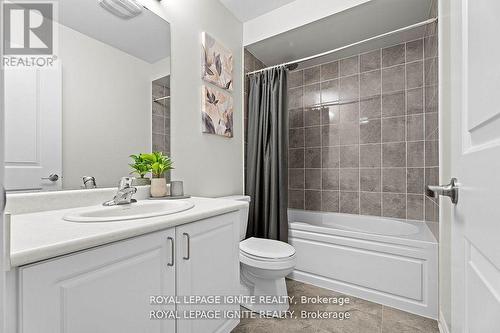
(267,248)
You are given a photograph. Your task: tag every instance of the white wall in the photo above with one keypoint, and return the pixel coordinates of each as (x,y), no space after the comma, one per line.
(160,69)
(209,165)
(445,137)
(106,109)
(286,17)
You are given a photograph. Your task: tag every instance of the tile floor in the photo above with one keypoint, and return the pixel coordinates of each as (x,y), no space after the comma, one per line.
(365,317)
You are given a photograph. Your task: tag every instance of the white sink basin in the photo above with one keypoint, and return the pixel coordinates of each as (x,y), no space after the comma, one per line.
(138,210)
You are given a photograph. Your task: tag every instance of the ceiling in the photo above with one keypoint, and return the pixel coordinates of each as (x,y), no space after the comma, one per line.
(146,36)
(355,24)
(245,10)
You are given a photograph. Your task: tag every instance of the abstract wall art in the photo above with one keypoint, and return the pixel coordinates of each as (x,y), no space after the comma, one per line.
(217,112)
(217,63)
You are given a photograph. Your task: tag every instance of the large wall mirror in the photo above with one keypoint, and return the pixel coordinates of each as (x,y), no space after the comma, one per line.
(107,96)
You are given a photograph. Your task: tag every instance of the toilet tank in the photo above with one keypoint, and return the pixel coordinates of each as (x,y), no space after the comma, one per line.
(244,213)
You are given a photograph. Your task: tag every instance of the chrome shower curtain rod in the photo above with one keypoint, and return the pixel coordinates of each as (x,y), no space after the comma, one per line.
(416,25)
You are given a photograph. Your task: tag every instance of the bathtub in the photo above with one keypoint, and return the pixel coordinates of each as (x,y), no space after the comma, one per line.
(388,261)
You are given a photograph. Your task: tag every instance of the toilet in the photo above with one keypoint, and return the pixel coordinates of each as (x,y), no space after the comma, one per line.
(264,263)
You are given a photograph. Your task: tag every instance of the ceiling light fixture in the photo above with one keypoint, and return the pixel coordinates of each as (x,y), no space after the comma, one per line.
(124,9)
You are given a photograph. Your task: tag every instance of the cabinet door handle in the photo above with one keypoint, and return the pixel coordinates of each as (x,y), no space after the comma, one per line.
(172,251)
(188,243)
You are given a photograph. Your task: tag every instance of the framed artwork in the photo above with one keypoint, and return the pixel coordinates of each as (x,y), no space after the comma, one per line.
(217,112)
(217,63)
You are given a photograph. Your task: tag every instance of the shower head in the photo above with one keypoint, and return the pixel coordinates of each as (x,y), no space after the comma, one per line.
(292,67)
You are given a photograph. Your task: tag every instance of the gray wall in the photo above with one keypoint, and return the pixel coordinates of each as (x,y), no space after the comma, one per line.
(363,133)
(209,165)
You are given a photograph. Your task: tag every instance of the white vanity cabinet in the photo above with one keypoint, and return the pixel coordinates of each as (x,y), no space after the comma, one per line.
(209,266)
(107,289)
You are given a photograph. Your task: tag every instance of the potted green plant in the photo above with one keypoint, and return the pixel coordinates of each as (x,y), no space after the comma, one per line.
(140,167)
(158,164)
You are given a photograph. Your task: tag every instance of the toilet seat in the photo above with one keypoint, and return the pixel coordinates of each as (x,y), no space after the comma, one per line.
(266,249)
(267,264)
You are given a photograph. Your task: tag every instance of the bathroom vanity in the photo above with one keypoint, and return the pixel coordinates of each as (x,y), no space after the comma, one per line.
(81,277)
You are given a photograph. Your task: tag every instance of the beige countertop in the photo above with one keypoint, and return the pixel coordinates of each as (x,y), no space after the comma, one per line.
(43,235)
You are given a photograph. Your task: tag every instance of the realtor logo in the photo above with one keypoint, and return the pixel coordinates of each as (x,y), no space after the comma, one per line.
(30,36)
(28,28)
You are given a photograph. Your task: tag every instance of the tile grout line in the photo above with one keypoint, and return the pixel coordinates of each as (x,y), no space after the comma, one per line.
(321,142)
(359,132)
(374,192)
(383,118)
(304,137)
(338,155)
(381,136)
(424,109)
(406,124)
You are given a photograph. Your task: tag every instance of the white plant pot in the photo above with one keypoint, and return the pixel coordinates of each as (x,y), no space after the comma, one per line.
(158,187)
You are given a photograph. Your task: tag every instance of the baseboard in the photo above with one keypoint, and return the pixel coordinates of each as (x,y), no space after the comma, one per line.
(443,326)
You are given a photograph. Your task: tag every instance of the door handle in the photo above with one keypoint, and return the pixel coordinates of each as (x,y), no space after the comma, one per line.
(172,252)
(188,243)
(53,177)
(450,190)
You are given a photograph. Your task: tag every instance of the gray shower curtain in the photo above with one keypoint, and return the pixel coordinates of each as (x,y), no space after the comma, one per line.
(266,180)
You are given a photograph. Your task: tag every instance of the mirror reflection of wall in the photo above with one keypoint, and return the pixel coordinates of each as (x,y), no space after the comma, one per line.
(94,108)
(161,116)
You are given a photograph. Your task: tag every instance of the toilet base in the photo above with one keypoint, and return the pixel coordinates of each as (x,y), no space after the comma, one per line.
(270,296)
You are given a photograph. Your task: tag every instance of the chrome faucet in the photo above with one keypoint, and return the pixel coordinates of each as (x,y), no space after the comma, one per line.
(124,194)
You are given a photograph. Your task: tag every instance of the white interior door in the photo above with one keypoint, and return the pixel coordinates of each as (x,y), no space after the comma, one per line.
(475,141)
(33,129)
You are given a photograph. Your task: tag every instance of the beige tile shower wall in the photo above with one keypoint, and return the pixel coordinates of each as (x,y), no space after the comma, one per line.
(363,133)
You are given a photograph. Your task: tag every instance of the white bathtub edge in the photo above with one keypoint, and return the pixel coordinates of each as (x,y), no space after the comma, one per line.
(423,310)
